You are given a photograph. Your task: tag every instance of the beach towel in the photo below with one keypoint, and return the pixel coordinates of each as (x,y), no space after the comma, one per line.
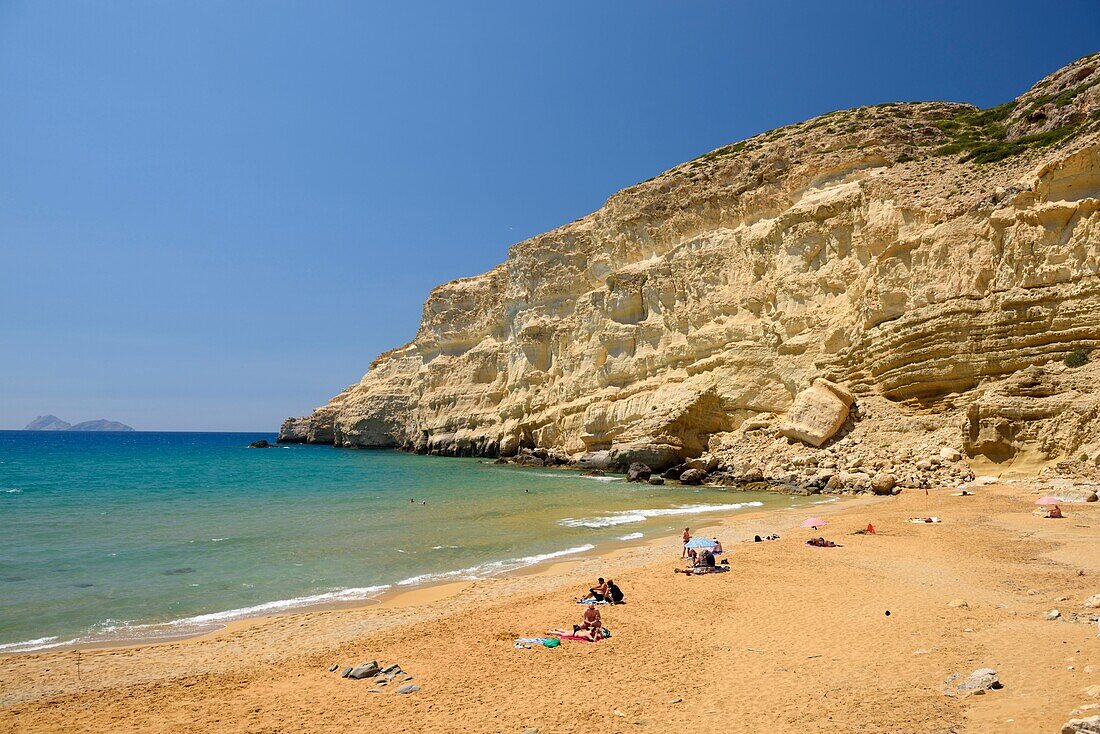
(544,641)
(593,601)
(925,520)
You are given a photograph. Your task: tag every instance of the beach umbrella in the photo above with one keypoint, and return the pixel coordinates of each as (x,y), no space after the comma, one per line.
(701,543)
(1047,500)
(813,522)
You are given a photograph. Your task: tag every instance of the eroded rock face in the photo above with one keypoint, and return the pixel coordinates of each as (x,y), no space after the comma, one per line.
(294,430)
(704,300)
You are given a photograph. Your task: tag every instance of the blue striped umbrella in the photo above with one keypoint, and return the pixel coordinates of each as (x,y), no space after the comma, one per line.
(701,543)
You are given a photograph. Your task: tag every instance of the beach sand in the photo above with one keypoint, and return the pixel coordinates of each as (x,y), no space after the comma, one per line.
(793,639)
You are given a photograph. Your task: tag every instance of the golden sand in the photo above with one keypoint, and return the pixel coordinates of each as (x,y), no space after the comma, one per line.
(792,639)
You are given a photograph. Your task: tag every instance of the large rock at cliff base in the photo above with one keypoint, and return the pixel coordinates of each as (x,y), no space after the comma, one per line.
(693,476)
(817,413)
(638,473)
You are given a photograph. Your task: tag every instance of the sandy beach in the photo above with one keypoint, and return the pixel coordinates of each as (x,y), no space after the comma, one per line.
(857,639)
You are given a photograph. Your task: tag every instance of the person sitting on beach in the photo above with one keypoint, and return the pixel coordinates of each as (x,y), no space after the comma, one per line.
(598,592)
(693,556)
(1055,512)
(717,549)
(686,536)
(615,592)
(590,621)
(821,543)
(705,560)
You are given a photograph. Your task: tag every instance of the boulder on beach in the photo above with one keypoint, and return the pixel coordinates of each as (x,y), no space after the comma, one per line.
(1088,725)
(366,670)
(817,412)
(975,684)
(693,476)
(638,473)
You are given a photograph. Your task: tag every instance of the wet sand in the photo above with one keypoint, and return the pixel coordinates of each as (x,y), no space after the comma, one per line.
(792,639)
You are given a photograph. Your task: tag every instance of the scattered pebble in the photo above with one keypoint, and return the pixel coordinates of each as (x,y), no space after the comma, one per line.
(334,667)
(1052,615)
(676,700)
(409,688)
(958,604)
(531,730)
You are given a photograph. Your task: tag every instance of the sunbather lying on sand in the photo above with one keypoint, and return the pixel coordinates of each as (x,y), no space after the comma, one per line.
(821,543)
(698,571)
(924,519)
(592,635)
(758,539)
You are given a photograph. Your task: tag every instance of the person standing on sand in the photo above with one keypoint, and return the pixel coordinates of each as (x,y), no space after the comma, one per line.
(687,537)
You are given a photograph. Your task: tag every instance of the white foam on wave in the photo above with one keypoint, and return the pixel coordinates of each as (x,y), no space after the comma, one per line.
(631,536)
(11,490)
(493,567)
(624,517)
(27,645)
(442,547)
(353,594)
(111,629)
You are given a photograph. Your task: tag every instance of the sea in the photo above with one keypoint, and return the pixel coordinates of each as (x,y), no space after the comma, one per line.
(122,537)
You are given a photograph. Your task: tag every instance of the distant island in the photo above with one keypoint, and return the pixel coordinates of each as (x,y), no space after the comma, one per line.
(53,423)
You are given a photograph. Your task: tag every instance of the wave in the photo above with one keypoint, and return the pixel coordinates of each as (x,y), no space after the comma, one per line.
(493,567)
(11,490)
(117,630)
(624,517)
(40,644)
(354,594)
(631,536)
(444,547)
(560,474)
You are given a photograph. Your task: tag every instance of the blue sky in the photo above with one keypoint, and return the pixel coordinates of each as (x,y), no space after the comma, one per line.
(215,214)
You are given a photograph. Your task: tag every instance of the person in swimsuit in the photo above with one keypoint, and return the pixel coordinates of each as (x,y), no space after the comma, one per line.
(1055,512)
(686,537)
(590,621)
(598,592)
(717,550)
(615,592)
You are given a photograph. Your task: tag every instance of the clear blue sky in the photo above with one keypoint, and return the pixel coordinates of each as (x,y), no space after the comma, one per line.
(215,214)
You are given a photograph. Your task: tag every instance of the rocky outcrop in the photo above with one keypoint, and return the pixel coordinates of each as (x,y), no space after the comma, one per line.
(915,257)
(295,430)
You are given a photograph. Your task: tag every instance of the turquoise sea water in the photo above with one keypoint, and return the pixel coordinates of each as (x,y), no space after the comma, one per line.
(138,535)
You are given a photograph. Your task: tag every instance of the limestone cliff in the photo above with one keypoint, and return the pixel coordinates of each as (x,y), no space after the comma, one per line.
(914,253)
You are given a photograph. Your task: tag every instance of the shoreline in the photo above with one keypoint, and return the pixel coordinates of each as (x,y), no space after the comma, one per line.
(399,595)
(792,639)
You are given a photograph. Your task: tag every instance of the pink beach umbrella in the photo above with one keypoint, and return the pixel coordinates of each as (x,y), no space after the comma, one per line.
(1047,500)
(813,522)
